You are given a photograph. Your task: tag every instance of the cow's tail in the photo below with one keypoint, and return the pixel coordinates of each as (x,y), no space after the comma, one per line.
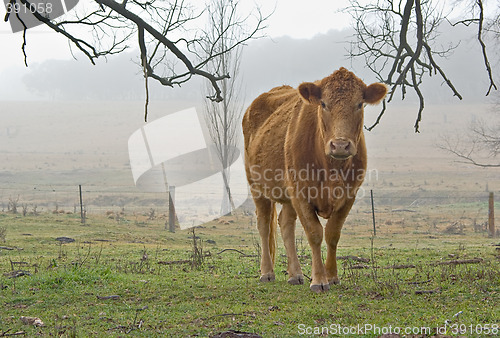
(272,232)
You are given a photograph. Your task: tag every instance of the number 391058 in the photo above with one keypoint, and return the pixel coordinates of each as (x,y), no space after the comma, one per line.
(41,8)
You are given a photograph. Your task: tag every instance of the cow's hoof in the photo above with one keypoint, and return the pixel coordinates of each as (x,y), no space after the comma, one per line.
(334,281)
(296,280)
(268,277)
(320,287)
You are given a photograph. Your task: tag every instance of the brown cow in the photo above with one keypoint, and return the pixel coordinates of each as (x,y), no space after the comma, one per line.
(306,149)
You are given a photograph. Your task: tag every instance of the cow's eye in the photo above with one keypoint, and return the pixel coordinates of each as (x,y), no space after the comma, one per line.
(323,105)
(360,105)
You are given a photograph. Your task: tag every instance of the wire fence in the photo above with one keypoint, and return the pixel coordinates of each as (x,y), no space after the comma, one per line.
(435,211)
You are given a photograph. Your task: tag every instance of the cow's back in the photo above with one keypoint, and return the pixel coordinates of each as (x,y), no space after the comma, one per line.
(263,107)
(265,126)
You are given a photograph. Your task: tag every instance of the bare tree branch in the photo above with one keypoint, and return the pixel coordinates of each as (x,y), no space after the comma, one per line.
(466,155)
(479,142)
(23,47)
(483,46)
(166,60)
(395,38)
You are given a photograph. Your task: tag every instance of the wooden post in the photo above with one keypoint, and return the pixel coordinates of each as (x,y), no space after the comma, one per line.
(491,215)
(373,214)
(171,209)
(82,215)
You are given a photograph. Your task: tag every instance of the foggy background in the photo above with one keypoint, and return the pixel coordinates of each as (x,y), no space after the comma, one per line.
(66,122)
(267,62)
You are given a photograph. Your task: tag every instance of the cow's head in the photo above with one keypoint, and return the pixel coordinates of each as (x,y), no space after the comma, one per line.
(341,98)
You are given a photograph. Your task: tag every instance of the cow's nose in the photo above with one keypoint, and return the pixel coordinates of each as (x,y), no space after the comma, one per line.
(341,149)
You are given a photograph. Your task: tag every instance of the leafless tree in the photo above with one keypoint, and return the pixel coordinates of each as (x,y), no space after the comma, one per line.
(172,47)
(396,39)
(223,118)
(480,144)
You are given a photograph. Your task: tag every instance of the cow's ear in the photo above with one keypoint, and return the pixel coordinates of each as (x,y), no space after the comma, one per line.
(310,92)
(374,93)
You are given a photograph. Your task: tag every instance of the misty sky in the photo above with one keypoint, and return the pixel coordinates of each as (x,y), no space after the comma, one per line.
(319,21)
(294,18)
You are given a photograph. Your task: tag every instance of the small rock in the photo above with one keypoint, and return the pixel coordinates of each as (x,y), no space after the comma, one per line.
(32,321)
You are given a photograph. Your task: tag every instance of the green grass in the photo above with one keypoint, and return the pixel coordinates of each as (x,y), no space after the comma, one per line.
(70,285)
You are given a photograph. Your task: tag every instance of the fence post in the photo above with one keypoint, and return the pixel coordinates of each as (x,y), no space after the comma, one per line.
(373,214)
(491,215)
(171,209)
(82,215)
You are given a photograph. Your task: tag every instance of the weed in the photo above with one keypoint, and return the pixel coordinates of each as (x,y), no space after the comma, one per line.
(151,214)
(13,204)
(3,233)
(197,255)
(25,209)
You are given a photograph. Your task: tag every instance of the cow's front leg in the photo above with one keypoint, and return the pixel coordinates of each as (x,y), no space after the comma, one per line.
(314,233)
(332,235)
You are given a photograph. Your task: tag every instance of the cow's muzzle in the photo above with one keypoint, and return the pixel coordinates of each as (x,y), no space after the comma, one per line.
(341,149)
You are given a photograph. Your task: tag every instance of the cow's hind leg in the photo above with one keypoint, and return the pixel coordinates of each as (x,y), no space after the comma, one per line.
(265,214)
(287,224)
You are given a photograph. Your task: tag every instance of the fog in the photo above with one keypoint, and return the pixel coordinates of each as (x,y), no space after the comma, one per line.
(69,116)
(266,63)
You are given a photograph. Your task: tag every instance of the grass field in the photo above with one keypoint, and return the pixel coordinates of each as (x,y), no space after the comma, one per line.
(126,275)
(431,268)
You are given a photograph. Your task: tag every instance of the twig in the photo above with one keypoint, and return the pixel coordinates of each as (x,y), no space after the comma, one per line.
(418,283)
(361,266)
(113,297)
(403,210)
(401,266)
(460,261)
(7,334)
(238,251)
(423,292)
